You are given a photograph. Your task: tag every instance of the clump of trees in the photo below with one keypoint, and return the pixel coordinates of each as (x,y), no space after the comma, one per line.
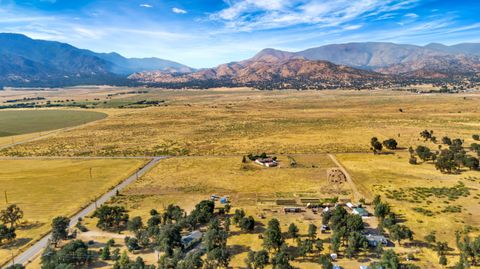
(347,231)
(376,146)
(447,160)
(74,254)
(469,250)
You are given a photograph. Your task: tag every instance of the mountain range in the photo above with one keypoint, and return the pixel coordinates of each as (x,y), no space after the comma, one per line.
(348,63)
(25,61)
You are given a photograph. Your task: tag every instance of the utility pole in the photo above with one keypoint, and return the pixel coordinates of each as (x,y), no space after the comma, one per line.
(6,198)
(13,256)
(91,177)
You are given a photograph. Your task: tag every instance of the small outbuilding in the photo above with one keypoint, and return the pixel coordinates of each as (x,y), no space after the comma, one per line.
(267,162)
(292,209)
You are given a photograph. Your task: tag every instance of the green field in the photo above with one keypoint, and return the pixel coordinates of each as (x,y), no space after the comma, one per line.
(30,121)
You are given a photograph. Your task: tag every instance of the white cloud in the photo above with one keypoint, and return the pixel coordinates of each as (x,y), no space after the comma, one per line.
(146,5)
(411,15)
(352,27)
(179,10)
(248,15)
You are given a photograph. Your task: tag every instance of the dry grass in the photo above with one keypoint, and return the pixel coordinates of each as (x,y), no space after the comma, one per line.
(222,122)
(44,189)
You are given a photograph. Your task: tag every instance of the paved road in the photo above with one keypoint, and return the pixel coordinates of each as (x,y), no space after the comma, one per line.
(356,194)
(29,254)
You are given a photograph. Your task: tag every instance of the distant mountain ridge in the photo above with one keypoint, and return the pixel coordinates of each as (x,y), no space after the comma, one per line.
(391,58)
(25,61)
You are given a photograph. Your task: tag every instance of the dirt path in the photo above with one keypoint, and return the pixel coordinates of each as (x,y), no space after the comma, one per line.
(356,194)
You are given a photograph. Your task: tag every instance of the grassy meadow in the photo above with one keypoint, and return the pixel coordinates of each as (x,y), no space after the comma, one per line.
(44,189)
(18,122)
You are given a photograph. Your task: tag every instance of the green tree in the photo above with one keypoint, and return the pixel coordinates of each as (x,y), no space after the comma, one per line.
(272,238)
(390,144)
(7,233)
(59,229)
(305,247)
(293,230)
(11,215)
(247,224)
(238,216)
(111,217)
(431,238)
(389,260)
(135,224)
(281,259)
(215,243)
(400,232)
(382,210)
(312,231)
(261,259)
(427,135)
(105,253)
(169,238)
(376,146)
(446,140)
(424,153)
(476,137)
(442,260)
(319,245)
(193,260)
(325,261)
(472,163)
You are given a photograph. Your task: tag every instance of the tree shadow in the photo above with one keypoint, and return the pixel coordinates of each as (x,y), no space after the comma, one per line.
(32,225)
(16,243)
(237,249)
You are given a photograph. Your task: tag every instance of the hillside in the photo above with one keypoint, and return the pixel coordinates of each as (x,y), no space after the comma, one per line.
(25,61)
(273,71)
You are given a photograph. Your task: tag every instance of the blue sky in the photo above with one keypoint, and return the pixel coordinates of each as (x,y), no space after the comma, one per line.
(205,33)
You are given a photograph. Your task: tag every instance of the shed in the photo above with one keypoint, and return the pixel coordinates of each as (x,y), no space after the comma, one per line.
(334,256)
(292,209)
(224,200)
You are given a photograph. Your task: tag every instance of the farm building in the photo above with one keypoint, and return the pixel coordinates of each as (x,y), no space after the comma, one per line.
(190,240)
(374,240)
(267,162)
(360,211)
(292,209)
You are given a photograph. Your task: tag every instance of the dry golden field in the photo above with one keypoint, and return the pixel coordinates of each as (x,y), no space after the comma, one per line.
(238,121)
(389,174)
(44,189)
(210,130)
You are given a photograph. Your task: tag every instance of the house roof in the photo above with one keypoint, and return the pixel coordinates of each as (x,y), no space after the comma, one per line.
(360,211)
